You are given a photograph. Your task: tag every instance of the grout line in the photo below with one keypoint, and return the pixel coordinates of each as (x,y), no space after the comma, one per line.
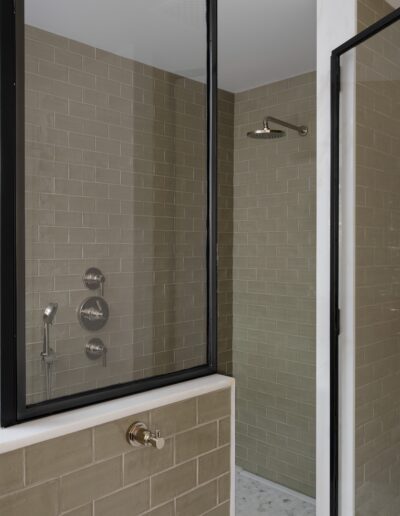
(123,469)
(24,467)
(93,446)
(150,497)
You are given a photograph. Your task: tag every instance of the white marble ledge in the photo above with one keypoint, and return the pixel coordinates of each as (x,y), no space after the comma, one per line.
(46,428)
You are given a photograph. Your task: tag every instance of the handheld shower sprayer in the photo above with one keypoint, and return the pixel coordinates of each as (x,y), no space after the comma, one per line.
(49,313)
(48,318)
(48,354)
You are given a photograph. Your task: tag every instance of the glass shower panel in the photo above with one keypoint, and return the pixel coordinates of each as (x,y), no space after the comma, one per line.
(116,192)
(378,274)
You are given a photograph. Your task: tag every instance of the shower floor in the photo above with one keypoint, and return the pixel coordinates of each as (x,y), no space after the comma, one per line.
(255,495)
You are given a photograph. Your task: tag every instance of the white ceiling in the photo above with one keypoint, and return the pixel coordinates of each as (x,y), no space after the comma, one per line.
(260,41)
(263,41)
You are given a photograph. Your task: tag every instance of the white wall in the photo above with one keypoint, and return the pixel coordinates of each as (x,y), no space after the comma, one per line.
(336,22)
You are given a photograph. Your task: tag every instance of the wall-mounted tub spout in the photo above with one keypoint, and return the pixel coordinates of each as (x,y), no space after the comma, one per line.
(139,435)
(48,355)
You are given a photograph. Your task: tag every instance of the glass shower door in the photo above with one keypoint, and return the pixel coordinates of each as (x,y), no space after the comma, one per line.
(376,247)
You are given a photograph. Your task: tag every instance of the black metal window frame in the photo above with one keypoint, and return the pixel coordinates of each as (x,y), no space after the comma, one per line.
(12,234)
(352,43)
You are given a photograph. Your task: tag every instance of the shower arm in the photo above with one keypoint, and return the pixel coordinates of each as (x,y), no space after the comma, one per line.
(301,129)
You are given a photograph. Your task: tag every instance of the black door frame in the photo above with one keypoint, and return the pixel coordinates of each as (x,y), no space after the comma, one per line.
(363,36)
(13,408)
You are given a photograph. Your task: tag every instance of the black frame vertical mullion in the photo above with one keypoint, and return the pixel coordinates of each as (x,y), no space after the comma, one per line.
(212,222)
(334,289)
(20,204)
(352,43)
(13,406)
(8,289)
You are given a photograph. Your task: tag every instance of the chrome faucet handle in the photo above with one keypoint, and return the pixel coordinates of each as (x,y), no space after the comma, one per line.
(139,435)
(156,440)
(93,313)
(95,349)
(94,279)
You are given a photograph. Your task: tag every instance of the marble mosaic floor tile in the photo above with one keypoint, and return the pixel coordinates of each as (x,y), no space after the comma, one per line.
(255,495)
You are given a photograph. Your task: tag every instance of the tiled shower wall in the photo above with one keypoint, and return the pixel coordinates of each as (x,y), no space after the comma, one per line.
(95,472)
(115,178)
(225,230)
(134,206)
(274,285)
(378,272)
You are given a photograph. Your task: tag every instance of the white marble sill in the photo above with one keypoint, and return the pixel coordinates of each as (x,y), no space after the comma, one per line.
(46,428)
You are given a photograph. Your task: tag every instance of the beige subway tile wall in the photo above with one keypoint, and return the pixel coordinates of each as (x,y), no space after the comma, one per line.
(116,178)
(274,285)
(96,472)
(377,273)
(225,229)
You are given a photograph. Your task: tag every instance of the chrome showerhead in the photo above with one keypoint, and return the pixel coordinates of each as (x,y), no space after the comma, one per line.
(49,313)
(266,133)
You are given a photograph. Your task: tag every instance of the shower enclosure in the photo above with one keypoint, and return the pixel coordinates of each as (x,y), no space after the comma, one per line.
(109,218)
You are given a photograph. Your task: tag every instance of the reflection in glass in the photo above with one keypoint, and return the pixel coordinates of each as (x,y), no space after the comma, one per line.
(115,180)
